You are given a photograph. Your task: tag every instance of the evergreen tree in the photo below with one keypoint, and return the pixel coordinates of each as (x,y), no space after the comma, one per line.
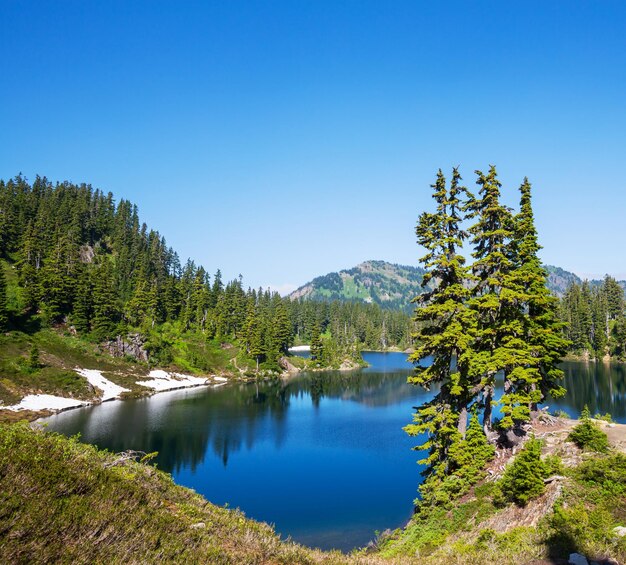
(105,308)
(317,349)
(523,479)
(491,236)
(614,297)
(445,327)
(33,358)
(3,299)
(83,303)
(281,326)
(529,333)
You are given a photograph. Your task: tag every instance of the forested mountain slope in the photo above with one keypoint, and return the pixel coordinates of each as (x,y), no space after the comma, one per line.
(393,286)
(390,285)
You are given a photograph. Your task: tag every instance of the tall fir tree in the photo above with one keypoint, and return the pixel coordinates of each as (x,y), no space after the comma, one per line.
(105,303)
(532,344)
(491,233)
(3,299)
(445,327)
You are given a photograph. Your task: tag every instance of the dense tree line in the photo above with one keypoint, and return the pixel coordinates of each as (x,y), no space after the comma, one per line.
(84,260)
(595,318)
(493,317)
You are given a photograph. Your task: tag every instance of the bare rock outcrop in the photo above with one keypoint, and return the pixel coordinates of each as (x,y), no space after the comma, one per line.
(132,345)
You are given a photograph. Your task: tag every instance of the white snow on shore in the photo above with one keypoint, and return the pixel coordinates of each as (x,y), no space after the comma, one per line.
(162,380)
(300,348)
(109,390)
(45,402)
(159,381)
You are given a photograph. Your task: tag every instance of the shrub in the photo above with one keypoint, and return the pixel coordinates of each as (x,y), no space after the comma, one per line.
(523,479)
(587,435)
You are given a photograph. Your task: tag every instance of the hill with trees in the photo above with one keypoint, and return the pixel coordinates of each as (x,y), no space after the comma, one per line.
(81,277)
(374,282)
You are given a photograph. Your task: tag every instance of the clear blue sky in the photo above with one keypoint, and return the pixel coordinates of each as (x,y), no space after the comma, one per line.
(283,140)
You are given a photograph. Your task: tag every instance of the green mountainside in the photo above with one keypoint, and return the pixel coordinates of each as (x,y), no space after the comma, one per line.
(392,286)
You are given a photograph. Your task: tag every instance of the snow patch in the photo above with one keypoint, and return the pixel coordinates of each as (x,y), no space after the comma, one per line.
(162,380)
(300,348)
(220,379)
(37,402)
(109,389)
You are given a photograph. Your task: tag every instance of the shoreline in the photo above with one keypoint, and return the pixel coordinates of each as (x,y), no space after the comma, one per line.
(157,381)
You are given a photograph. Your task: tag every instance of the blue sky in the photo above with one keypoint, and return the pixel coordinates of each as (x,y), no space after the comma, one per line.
(283,140)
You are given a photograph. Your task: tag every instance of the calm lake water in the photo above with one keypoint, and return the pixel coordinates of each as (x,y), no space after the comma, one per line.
(323,456)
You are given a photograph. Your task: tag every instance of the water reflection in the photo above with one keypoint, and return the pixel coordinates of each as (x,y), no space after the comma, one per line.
(322,456)
(601,386)
(181,425)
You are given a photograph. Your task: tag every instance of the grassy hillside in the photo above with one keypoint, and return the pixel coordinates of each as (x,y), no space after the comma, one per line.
(583,503)
(65,502)
(60,353)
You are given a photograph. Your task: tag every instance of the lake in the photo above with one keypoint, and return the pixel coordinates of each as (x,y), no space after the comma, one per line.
(322,456)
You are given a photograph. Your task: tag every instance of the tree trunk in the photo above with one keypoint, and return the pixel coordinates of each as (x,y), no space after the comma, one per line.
(463,421)
(532,407)
(487,396)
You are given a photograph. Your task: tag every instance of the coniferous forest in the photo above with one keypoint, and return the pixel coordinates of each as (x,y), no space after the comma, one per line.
(594,319)
(487,338)
(78,259)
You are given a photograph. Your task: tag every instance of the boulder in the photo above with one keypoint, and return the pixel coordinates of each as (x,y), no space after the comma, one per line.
(620,531)
(131,345)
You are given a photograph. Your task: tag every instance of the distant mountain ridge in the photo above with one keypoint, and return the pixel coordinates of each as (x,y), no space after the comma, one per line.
(392,286)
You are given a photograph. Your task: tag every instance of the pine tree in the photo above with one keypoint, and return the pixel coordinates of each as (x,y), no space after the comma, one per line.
(530,332)
(3,299)
(105,308)
(614,296)
(523,479)
(281,328)
(446,326)
(491,235)
(83,303)
(317,348)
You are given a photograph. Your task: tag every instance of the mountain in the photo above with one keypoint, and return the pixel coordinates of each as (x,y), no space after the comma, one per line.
(559,279)
(390,285)
(393,286)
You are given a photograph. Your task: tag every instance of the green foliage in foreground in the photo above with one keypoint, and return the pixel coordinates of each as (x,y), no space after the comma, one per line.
(523,479)
(587,435)
(63,501)
(464,467)
(593,503)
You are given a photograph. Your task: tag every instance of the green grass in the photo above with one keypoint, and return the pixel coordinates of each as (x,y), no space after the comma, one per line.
(66,502)
(59,355)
